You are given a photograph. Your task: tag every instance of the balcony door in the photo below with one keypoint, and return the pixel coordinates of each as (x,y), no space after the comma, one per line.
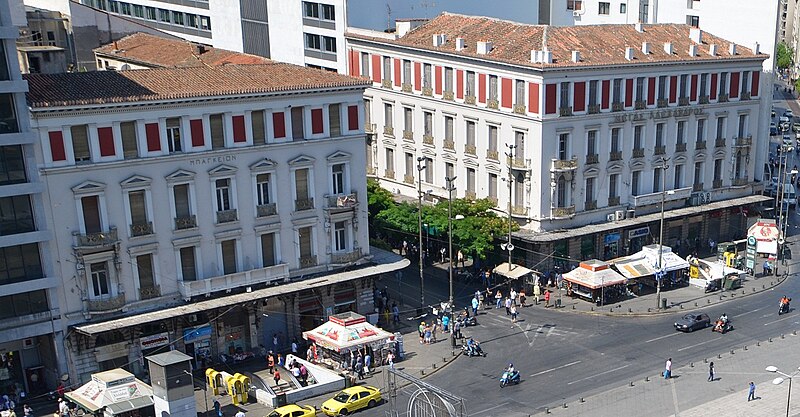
(91,214)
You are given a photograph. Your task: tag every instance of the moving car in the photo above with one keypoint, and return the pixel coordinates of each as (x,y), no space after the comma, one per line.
(784,119)
(796,127)
(352,399)
(773,129)
(294,410)
(788,113)
(692,321)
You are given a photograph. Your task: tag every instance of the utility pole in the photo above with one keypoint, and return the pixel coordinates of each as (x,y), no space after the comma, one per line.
(420,167)
(660,272)
(510,157)
(450,189)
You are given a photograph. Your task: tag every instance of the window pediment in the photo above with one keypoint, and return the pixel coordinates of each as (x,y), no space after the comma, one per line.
(180,175)
(637,165)
(135,181)
(470,162)
(428,152)
(222,171)
(302,160)
(680,159)
(591,172)
(338,156)
(88,187)
(263,165)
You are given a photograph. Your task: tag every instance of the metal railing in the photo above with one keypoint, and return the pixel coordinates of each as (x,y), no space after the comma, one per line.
(142,229)
(107,304)
(303,204)
(146,293)
(264,210)
(346,257)
(562,212)
(98,239)
(187,222)
(227,216)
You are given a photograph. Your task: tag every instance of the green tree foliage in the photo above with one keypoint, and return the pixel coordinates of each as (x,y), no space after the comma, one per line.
(784,56)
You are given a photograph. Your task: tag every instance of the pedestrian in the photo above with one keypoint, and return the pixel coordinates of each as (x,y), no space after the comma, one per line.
(460,259)
(537,291)
(434,328)
(240,413)
(710,371)
(421,330)
(295,347)
(360,368)
(522,298)
(275,342)
(367,362)
(498,299)
(547,298)
(475,306)
(668,369)
(427,335)
(751,393)
(513,296)
(304,375)
(270,361)
(513,314)
(404,248)
(488,298)
(27,410)
(446,323)
(390,360)
(281,360)
(277,377)
(457,329)
(442,251)
(63,408)
(217,408)
(396,313)
(508,306)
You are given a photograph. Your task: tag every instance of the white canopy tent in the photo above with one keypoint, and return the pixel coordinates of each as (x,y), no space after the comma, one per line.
(112,393)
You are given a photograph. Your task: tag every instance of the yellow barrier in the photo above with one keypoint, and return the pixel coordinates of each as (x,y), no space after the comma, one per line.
(235,389)
(245,386)
(211,380)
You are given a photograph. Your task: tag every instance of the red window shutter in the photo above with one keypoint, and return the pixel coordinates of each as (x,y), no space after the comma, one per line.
(482,88)
(438,83)
(57,151)
(713,95)
(507,93)
(376,69)
(754,85)
(734,88)
(278,125)
(580,96)
(651,91)
(533,98)
(459,84)
(629,92)
(153,134)
(693,88)
(239,132)
(550,99)
(196,128)
(355,63)
(352,117)
(606,94)
(106,138)
(673,88)
(418,76)
(316,121)
(398,73)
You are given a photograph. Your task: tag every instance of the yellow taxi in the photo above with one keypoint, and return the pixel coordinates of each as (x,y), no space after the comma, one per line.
(294,410)
(352,399)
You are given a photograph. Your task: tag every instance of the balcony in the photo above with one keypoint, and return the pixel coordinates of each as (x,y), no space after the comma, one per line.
(615,156)
(737,182)
(565,164)
(370,128)
(227,216)
(492,104)
(719,142)
(408,179)
(593,109)
(267,275)
(470,195)
(264,210)
(521,163)
(386,83)
(346,257)
(490,154)
(638,153)
(342,201)
(697,187)
(617,106)
(142,229)
(717,184)
(427,91)
(308,261)
(470,150)
(406,87)
(427,140)
(99,239)
(469,99)
(388,131)
(683,101)
(147,293)
(408,135)
(700,144)
(520,109)
(565,111)
(183,223)
(563,212)
(448,95)
(590,205)
(680,147)
(743,141)
(639,104)
(449,144)
(662,102)
(703,100)
(659,150)
(723,98)
(303,204)
(613,201)
(592,159)
(520,211)
(745,96)
(107,305)
(388,174)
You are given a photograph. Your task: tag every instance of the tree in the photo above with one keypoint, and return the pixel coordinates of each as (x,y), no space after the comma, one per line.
(784,56)
(474,234)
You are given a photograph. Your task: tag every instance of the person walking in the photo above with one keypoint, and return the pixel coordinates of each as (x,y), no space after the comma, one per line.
(240,413)
(277,377)
(513,315)
(27,410)
(751,392)
(460,259)
(668,369)
(475,306)
(498,297)
(537,291)
(396,313)
(710,371)
(547,298)
(513,296)
(508,306)
(217,408)
(522,298)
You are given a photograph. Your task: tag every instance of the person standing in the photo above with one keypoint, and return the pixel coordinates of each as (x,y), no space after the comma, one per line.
(475,306)
(537,291)
(513,314)
(508,306)
(460,259)
(668,369)
(27,410)
(63,408)
(498,299)
(751,392)
(445,323)
(547,298)
(710,371)
(217,408)
(294,347)
(396,313)
(513,295)
(276,377)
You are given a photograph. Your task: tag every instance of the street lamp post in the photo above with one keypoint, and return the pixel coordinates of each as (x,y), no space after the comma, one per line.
(664,166)
(779,380)
(450,189)
(510,156)
(420,167)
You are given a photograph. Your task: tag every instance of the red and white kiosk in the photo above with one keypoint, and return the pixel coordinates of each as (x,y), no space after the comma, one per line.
(768,237)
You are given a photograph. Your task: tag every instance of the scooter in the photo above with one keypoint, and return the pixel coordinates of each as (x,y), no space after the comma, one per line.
(468,321)
(783,309)
(509,379)
(726,327)
(472,351)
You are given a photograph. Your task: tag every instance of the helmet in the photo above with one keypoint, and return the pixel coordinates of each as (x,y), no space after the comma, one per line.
(510,365)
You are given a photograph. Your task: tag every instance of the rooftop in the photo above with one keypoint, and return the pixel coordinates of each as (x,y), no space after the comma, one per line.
(513,42)
(103,87)
(159,52)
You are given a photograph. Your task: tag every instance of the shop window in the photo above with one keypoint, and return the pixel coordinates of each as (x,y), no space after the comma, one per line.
(587,247)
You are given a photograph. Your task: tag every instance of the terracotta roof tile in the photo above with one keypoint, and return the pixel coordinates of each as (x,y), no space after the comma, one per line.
(156,51)
(99,87)
(598,44)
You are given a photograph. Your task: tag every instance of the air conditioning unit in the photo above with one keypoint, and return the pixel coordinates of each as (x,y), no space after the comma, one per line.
(631,214)
(576,13)
(620,215)
(696,199)
(192,318)
(611,217)
(28,343)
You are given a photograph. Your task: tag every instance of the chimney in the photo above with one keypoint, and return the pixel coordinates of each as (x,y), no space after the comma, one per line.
(535,58)
(439,39)
(629,53)
(547,57)
(199,49)
(732,49)
(484,47)
(646,48)
(668,48)
(459,44)
(692,50)
(696,35)
(638,27)
(401,27)
(576,56)
(712,50)
(756,48)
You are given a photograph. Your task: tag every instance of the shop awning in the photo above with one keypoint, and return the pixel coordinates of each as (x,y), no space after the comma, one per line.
(515,272)
(594,274)
(383,262)
(644,262)
(116,390)
(715,270)
(345,331)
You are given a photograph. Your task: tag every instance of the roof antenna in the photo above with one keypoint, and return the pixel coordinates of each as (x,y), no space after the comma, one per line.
(388,17)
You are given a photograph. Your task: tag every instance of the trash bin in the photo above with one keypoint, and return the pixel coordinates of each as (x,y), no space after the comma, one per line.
(663,303)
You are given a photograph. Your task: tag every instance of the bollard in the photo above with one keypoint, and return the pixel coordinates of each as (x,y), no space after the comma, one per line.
(695,303)
(647,379)
(630,310)
(794,332)
(434,366)
(745,347)
(681,306)
(582,400)
(565,405)
(719,356)
(573,306)
(422,372)
(444,359)
(631,383)
(708,300)
(758,343)
(743,292)
(691,364)
(770,340)
(731,351)
(611,310)
(705,360)
(592,308)
(547,410)
(754,290)
(762,286)
(648,309)
(782,336)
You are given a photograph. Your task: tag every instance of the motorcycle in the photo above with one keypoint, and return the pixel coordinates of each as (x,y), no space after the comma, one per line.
(509,379)
(783,308)
(722,327)
(475,350)
(467,321)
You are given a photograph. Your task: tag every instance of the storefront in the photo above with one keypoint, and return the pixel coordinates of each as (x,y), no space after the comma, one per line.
(637,238)
(197,344)
(114,393)
(611,245)
(344,298)
(591,279)
(151,345)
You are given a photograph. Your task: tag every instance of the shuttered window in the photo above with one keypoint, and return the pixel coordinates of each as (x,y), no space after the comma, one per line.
(257,122)
(80,143)
(301,183)
(129,147)
(297,123)
(181,194)
(188,267)
(268,249)
(334,119)
(91,213)
(217,131)
(138,212)
(228,256)
(305,241)
(144,266)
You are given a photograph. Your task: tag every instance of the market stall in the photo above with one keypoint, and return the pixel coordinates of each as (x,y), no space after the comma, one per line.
(702,273)
(642,266)
(767,236)
(114,393)
(347,332)
(594,280)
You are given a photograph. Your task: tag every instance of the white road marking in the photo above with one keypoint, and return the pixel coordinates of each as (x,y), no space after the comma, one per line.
(488,409)
(556,368)
(696,345)
(596,375)
(748,312)
(662,337)
(785,318)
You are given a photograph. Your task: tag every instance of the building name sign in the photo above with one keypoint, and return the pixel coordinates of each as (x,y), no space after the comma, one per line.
(212,160)
(658,114)
(642,231)
(154,341)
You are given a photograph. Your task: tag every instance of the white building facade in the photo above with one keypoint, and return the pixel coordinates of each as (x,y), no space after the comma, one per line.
(589,123)
(200,200)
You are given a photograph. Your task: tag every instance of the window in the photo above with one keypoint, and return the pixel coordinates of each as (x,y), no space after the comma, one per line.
(223,193)
(660,134)
(623,8)
(565,94)
(426,76)
(90,207)
(470,84)
(365,68)
(407,71)
(604,8)
(390,159)
(408,120)
(519,190)
(720,128)
(188,263)
(138,11)
(680,132)
(701,130)
(492,188)
(99,276)
(313,41)
(698,173)
(745,84)
(693,21)
(717,170)
(191,20)
(657,175)
(388,115)
(640,89)
(429,170)
(449,170)
(742,130)
(126,9)
(174,135)
(268,257)
(644,6)
(297,120)
(684,86)
(12,165)
(563,145)
(593,93)
(471,135)
(662,87)
(635,178)
(723,83)
(637,137)
(561,191)
(217,131)
(329,44)
(23,304)
(591,142)
(177,18)
(183,210)
(340,236)
(228,248)
(20,263)
(16,215)
(410,166)
(334,120)
(427,119)
(150,12)
(492,145)
(311,10)
(493,87)
(129,145)
(448,128)
(616,91)
(337,179)
(613,180)
(263,189)
(615,143)
(258,127)
(301,185)
(113,7)
(704,84)
(80,143)
(138,213)
(144,270)
(205,23)
(678,177)
(387,68)
(519,144)
(520,93)
(304,240)
(448,80)
(471,180)
(590,190)
(328,12)
(574,4)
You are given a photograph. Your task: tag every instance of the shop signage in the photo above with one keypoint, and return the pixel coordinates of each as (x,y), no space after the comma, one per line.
(611,238)
(657,114)
(197,333)
(642,231)
(694,271)
(154,341)
(655,198)
(750,253)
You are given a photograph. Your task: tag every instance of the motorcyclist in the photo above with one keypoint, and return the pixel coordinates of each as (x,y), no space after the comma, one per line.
(785,303)
(723,318)
(510,369)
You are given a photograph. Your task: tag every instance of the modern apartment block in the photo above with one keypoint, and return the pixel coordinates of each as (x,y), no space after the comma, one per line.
(31,337)
(579,124)
(196,204)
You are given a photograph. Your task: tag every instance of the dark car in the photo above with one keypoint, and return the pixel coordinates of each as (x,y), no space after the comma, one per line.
(692,321)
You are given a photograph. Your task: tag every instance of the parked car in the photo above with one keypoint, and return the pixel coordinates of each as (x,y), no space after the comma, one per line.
(692,321)
(796,127)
